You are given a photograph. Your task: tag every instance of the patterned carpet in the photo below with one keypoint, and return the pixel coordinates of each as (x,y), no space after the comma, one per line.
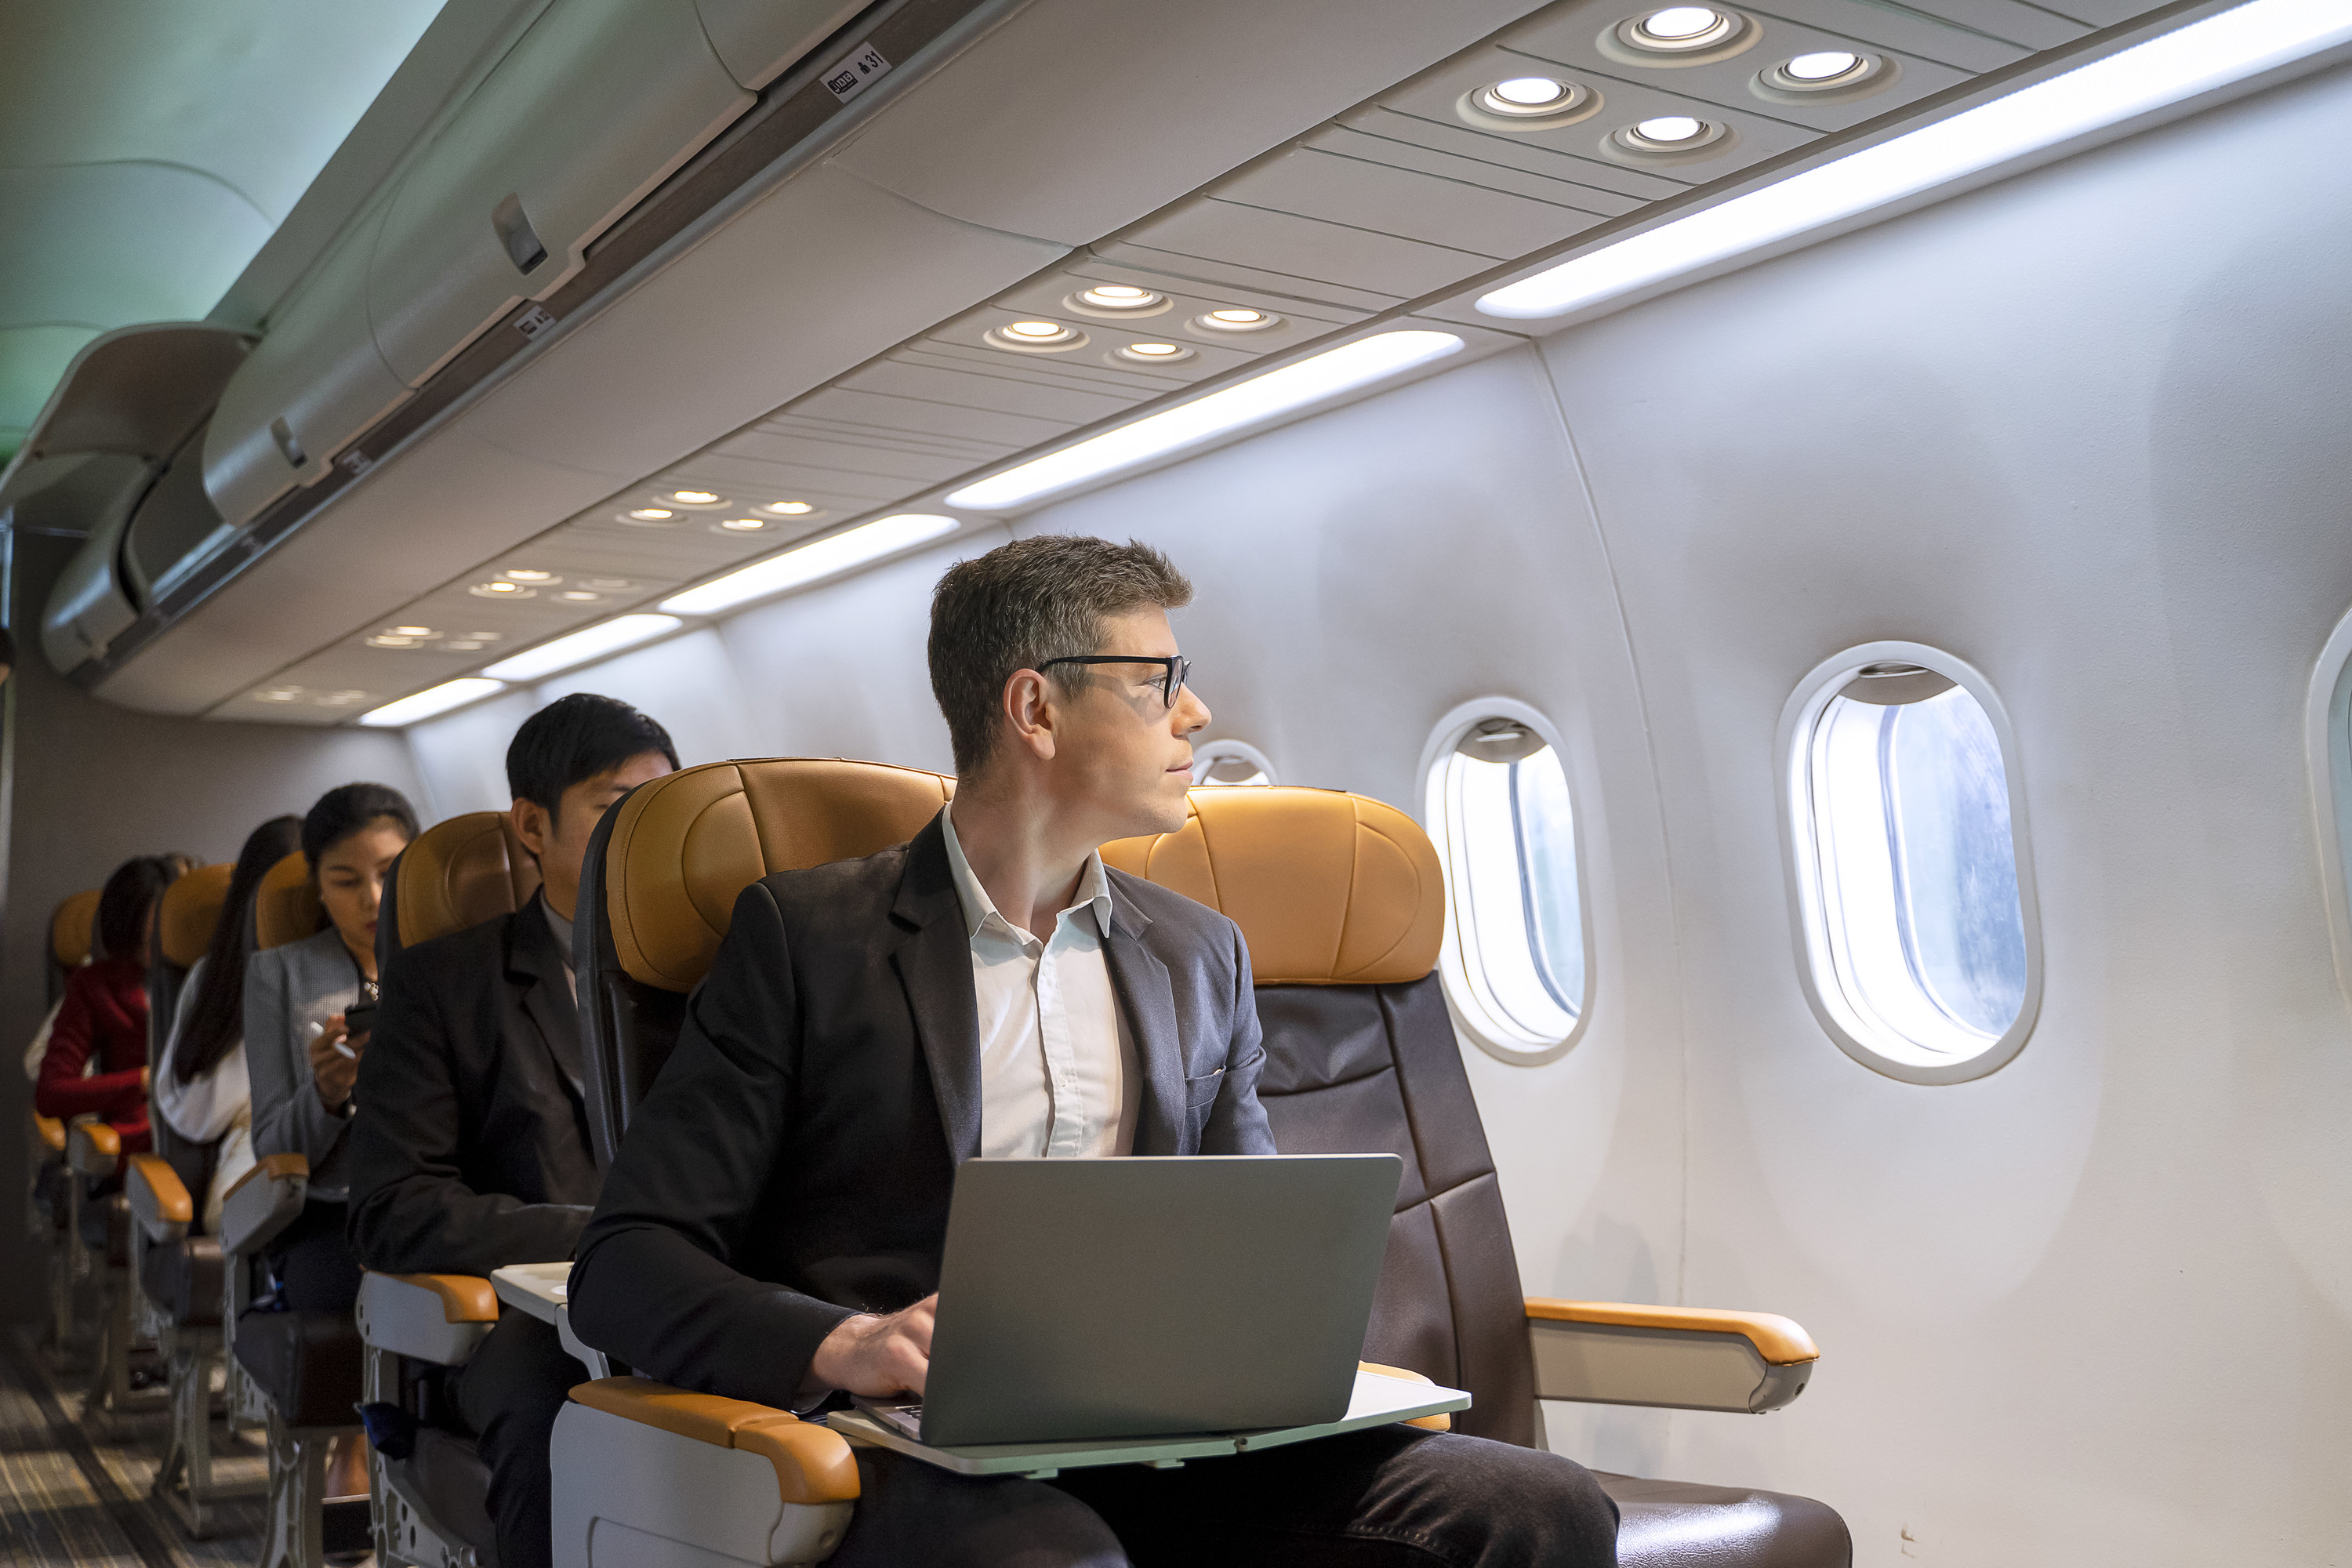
(75,1487)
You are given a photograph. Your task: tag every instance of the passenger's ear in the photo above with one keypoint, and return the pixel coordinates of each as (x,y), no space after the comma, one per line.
(533,826)
(1028,708)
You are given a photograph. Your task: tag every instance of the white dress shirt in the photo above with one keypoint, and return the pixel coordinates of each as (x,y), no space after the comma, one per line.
(1057,1070)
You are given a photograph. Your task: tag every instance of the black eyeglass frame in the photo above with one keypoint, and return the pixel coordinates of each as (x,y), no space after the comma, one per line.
(1171,683)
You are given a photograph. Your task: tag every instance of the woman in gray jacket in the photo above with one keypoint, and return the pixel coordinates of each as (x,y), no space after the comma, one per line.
(301,1057)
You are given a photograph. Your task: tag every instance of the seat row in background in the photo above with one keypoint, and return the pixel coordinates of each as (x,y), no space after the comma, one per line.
(1341,901)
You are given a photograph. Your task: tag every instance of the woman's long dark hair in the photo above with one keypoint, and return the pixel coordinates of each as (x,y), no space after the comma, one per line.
(352,809)
(216,1018)
(129,893)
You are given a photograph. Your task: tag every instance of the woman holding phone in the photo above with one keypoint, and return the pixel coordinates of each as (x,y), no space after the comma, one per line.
(306,1009)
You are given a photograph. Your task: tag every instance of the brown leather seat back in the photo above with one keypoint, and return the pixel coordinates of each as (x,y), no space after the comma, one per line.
(285,906)
(1342,902)
(662,875)
(456,874)
(73,936)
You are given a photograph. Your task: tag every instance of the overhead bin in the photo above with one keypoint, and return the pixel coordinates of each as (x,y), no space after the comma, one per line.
(90,606)
(173,526)
(315,381)
(760,41)
(600,102)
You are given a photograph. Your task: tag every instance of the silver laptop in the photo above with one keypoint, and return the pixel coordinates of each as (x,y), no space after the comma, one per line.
(1086,1300)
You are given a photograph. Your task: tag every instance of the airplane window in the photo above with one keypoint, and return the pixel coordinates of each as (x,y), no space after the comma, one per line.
(1515,949)
(1922,956)
(1230,763)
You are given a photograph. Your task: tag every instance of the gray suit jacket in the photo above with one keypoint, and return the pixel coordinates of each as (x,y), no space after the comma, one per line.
(288,989)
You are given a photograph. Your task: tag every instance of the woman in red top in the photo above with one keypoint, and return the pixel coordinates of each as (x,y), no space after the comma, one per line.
(97,1061)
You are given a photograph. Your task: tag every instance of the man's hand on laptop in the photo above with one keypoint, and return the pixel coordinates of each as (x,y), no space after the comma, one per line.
(878,1357)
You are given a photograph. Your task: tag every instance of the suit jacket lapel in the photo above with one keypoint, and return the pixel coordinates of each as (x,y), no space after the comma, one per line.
(547,1001)
(934,965)
(1149,1001)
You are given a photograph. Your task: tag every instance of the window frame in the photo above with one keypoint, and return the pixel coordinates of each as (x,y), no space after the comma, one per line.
(1470,1015)
(2327,743)
(1217,750)
(1825,994)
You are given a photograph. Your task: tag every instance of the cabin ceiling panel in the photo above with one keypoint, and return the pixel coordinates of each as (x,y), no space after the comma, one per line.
(713,341)
(798,422)
(972,389)
(755,483)
(1239,76)
(1206,272)
(1285,243)
(1914,29)
(1371,144)
(1320,180)
(860,468)
(848,407)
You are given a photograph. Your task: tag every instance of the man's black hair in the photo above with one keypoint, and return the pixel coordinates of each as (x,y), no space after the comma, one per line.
(576,738)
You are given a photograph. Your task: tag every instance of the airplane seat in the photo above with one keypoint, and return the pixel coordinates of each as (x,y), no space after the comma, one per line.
(644,1472)
(180,1270)
(1341,900)
(304,1368)
(56,1196)
(431,1486)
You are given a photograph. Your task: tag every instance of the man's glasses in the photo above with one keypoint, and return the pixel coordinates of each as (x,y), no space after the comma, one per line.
(1173,670)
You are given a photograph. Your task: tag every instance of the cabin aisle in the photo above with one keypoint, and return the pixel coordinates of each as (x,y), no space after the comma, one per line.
(74,1489)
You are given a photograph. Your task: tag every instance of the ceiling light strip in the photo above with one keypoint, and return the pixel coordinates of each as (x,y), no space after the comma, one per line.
(580,646)
(431,702)
(1244,403)
(810,562)
(2162,71)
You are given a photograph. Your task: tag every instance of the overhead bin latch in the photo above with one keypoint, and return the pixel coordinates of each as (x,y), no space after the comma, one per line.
(523,247)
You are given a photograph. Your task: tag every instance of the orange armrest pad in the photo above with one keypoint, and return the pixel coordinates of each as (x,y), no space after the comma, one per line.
(102,1138)
(813,1464)
(155,1173)
(465,1298)
(271,1168)
(53,1133)
(1441,1422)
(1778,1340)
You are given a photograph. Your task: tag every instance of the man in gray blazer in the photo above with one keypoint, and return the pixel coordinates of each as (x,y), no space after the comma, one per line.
(773,1226)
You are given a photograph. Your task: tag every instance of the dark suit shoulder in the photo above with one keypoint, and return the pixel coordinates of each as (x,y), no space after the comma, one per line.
(460,961)
(840,893)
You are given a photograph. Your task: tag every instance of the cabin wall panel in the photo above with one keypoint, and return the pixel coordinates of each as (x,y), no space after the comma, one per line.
(2096,1293)
(95,785)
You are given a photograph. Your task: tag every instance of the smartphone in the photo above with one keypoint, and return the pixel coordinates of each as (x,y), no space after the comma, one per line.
(358,1018)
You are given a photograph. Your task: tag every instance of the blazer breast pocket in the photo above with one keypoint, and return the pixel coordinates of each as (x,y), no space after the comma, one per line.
(1201,1092)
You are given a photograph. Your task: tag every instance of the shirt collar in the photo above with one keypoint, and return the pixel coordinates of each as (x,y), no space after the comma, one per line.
(1094,888)
(560,927)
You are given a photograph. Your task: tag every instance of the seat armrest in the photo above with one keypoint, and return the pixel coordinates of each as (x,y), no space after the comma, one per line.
(265,1201)
(51,1131)
(813,1464)
(1441,1422)
(92,1148)
(652,1474)
(159,1199)
(1686,1358)
(438,1318)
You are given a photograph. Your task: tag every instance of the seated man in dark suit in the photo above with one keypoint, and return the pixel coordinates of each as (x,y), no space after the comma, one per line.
(470,1148)
(772,1228)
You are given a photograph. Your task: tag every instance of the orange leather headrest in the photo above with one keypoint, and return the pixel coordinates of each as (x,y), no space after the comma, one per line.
(72,928)
(1330,888)
(460,873)
(684,846)
(191,909)
(285,906)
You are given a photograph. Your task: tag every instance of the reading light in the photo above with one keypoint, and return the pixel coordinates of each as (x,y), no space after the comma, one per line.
(530,575)
(1680,28)
(808,563)
(1155,353)
(1669,128)
(1260,397)
(649,514)
(1826,65)
(580,597)
(601,585)
(279,694)
(340,698)
(431,701)
(1530,91)
(501,589)
(2166,70)
(1031,336)
(744,525)
(1119,297)
(590,642)
(1236,319)
(695,498)
(789,508)
(467,647)
(410,632)
(389,641)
